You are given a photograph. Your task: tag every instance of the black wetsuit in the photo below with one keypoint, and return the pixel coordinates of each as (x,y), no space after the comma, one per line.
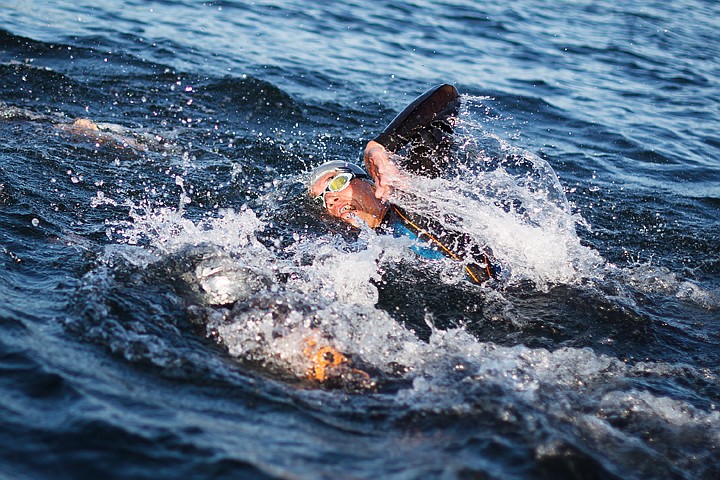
(422,135)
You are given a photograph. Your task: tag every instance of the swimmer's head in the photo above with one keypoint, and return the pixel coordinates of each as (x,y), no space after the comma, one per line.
(347,192)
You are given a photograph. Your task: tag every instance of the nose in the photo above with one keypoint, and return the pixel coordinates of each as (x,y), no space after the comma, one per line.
(330,199)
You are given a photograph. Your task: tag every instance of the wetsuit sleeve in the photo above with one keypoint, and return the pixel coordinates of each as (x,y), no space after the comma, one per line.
(422,136)
(422,132)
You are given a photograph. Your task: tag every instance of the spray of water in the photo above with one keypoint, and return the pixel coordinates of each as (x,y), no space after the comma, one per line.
(510,200)
(266,304)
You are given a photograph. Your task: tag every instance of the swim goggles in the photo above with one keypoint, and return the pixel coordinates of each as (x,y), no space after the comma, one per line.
(340,182)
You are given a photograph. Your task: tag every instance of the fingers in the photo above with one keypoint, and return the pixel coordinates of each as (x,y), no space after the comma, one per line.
(382,193)
(376,160)
(383,171)
(388,178)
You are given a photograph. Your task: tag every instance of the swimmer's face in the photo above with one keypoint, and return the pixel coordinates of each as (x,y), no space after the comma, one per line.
(355,202)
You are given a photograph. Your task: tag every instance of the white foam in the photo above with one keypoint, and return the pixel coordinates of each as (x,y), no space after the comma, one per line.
(510,200)
(322,289)
(328,296)
(653,279)
(328,287)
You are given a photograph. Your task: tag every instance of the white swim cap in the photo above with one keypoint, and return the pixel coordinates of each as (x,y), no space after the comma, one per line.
(334,166)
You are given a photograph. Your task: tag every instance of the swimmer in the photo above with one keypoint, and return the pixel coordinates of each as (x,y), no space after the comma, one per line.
(356,196)
(108,134)
(84,129)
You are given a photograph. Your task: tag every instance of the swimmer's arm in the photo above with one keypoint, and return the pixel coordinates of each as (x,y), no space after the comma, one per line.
(108,133)
(439,103)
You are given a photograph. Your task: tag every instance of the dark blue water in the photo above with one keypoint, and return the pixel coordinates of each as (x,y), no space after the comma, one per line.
(161,276)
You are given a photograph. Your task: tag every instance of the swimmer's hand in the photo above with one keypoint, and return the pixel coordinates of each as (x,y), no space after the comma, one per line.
(332,368)
(381,168)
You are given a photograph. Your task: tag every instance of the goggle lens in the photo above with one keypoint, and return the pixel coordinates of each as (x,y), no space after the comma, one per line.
(339,182)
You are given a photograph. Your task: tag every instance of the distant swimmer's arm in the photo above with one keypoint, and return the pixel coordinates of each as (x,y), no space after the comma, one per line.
(108,133)
(381,168)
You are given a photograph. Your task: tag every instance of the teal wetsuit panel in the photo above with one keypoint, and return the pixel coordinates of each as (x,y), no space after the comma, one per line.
(419,247)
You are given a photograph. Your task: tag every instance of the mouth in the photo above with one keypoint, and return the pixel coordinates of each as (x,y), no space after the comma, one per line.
(346,210)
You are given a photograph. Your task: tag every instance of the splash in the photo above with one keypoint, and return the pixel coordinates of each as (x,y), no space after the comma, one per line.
(653,279)
(262,303)
(265,302)
(269,303)
(510,200)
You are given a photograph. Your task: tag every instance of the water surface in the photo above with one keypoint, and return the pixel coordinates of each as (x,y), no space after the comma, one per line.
(157,295)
